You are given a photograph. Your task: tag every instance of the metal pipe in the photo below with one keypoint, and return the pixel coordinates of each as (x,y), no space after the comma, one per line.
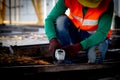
(10,11)
(15,10)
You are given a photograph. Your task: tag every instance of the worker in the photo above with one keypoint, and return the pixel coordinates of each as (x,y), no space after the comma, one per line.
(87,27)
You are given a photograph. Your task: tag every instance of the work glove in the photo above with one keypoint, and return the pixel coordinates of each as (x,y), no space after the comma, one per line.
(72,50)
(54,44)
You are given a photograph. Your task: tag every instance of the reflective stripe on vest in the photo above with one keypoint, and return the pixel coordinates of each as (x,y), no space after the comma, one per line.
(86,22)
(90,22)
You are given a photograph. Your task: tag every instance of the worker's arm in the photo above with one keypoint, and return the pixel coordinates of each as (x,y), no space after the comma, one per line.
(58,10)
(104,25)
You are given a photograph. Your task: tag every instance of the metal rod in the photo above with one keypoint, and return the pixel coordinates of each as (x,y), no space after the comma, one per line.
(11,50)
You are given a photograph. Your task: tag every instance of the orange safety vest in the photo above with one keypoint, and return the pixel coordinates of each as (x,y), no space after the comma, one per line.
(90,21)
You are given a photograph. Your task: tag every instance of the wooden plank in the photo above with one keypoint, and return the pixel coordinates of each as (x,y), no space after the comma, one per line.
(73,67)
(66,67)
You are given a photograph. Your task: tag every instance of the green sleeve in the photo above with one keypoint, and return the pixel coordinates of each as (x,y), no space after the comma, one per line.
(57,10)
(104,25)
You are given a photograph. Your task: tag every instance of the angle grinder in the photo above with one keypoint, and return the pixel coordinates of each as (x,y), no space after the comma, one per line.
(60,55)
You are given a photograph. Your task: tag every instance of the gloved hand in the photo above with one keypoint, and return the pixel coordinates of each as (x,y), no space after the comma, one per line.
(72,50)
(53,45)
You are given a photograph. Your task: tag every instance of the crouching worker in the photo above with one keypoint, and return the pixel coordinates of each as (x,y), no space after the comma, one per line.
(87,27)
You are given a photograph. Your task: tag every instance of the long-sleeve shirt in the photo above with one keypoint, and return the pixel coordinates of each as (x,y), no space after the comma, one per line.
(104,24)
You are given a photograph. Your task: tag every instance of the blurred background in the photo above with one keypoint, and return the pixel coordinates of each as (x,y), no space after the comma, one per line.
(21,20)
(25,12)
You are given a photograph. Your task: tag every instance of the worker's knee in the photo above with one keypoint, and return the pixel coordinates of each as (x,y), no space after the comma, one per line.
(96,54)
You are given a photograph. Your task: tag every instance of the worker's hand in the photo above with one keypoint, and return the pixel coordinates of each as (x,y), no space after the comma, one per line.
(54,44)
(72,50)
